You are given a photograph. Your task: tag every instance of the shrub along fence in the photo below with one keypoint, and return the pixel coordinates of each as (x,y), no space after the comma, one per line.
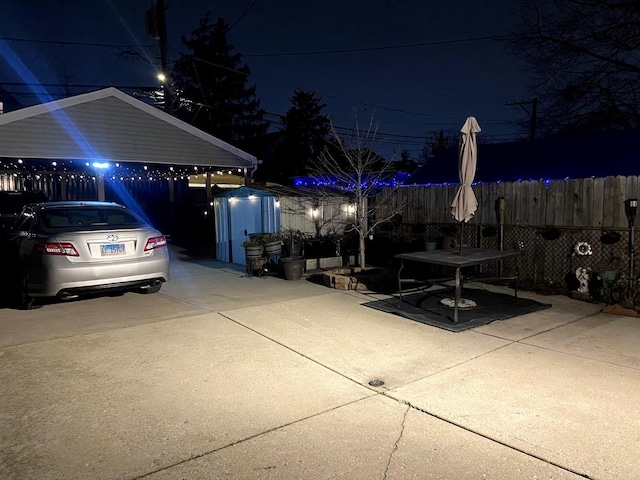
(576,210)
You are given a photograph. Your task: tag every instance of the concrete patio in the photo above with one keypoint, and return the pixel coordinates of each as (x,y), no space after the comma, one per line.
(224,376)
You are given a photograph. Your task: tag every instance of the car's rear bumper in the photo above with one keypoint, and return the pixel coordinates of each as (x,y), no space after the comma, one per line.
(60,276)
(68,293)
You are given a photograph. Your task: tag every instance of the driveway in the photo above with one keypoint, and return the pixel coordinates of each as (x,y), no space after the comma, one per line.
(224,376)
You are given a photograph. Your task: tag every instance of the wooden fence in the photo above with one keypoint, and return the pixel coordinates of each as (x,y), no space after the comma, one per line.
(585,202)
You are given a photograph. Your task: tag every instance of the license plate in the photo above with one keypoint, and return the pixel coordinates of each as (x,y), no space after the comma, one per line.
(112,249)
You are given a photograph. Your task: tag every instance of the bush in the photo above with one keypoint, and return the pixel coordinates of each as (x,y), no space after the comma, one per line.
(254,242)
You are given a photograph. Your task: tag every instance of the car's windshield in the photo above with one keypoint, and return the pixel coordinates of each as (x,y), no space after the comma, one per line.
(88,216)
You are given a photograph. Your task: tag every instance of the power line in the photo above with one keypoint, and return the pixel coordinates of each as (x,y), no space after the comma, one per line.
(281,54)
(239,19)
(383,47)
(80,44)
(383,135)
(77,85)
(369,105)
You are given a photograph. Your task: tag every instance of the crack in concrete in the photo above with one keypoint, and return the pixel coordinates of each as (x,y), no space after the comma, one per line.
(395,445)
(488,437)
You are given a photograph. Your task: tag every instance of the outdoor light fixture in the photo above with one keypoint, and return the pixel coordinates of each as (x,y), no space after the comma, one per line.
(162,77)
(630,209)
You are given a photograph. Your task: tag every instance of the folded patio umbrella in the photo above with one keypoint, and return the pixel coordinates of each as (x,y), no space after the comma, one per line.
(465,204)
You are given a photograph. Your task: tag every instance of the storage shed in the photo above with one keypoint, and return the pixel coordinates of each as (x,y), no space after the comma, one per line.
(243,210)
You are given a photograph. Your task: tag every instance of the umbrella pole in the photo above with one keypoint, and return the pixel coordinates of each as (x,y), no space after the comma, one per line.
(461,234)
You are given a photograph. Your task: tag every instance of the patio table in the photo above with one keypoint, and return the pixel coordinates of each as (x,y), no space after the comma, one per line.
(468,257)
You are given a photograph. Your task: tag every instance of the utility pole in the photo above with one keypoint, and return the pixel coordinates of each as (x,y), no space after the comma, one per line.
(156,21)
(533,114)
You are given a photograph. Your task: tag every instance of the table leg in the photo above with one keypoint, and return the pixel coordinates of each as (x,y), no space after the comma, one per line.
(457,295)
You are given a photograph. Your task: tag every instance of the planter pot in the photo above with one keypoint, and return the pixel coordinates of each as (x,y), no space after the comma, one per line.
(252,253)
(273,248)
(430,246)
(293,267)
(608,275)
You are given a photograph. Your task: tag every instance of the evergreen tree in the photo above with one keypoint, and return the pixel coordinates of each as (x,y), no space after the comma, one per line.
(211,83)
(305,130)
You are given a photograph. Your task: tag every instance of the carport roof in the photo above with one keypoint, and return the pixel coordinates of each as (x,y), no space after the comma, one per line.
(109,125)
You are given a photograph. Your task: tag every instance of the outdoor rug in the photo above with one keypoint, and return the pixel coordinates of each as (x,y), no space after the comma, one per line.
(425,307)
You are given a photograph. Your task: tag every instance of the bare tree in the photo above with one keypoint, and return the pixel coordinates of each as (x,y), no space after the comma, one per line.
(585,58)
(351,163)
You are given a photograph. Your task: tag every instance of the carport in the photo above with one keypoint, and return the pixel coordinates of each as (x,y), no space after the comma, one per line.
(107,145)
(106,135)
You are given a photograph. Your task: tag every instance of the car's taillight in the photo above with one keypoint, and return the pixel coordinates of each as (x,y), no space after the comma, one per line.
(57,249)
(155,242)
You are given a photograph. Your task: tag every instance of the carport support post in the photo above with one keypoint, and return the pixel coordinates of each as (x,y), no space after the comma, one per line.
(207,184)
(172,191)
(63,187)
(172,204)
(100,186)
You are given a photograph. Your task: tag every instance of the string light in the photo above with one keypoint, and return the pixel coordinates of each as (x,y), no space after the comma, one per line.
(330,181)
(125,170)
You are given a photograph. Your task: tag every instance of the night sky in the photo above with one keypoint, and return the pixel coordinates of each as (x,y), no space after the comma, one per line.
(412,90)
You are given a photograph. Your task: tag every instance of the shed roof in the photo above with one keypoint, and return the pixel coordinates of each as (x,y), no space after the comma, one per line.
(244,192)
(109,125)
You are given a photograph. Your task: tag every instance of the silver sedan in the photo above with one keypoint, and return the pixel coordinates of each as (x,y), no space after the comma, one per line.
(66,249)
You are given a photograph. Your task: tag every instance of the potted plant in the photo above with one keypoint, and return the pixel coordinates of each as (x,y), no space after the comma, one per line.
(625,296)
(609,270)
(420,232)
(272,243)
(253,248)
(293,264)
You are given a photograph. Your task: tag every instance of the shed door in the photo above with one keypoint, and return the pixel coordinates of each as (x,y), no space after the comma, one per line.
(245,214)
